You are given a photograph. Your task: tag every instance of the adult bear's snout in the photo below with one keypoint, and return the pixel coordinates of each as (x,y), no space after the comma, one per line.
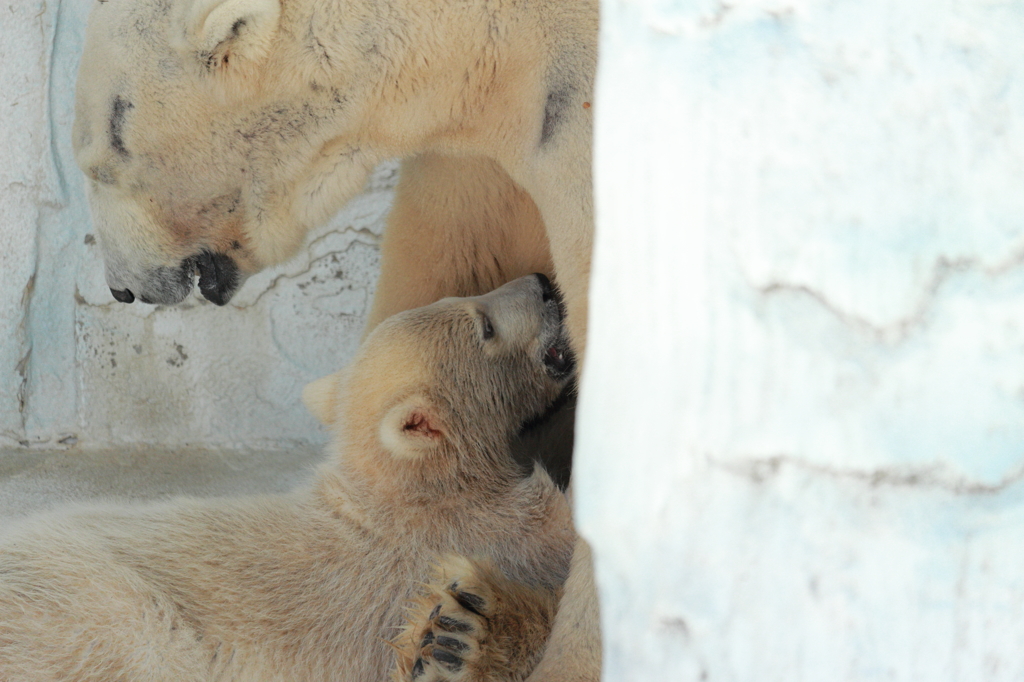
(219,277)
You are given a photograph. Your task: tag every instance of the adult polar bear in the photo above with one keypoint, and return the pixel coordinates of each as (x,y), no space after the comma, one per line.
(217,133)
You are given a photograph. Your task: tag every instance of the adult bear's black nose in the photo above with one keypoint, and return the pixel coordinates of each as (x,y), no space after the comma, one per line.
(219,277)
(123,295)
(546,290)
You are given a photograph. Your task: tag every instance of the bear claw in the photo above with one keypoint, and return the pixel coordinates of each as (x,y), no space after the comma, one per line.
(449,638)
(481,627)
(468,601)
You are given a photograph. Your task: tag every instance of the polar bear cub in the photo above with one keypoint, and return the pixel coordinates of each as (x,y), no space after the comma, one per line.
(314,584)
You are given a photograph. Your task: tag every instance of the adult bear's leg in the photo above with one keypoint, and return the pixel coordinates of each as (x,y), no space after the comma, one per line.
(459,227)
(573,653)
(559,180)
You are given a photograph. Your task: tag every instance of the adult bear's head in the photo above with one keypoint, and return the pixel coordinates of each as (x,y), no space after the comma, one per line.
(213,136)
(434,389)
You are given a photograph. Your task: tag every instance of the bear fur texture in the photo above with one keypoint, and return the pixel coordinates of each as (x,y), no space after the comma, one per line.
(312,585)
(217,133)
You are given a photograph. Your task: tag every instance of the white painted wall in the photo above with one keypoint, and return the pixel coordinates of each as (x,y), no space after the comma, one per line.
(801,437)
(77,367)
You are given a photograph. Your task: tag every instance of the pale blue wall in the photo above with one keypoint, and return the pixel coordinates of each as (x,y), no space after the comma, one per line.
(801,442)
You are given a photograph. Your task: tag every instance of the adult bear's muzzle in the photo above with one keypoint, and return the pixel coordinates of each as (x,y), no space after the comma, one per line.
(219,277)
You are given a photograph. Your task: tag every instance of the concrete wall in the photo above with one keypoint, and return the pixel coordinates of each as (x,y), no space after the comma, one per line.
(77,367)
(801,437)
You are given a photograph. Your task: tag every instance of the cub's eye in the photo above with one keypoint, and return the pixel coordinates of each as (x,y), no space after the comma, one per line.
(488,328)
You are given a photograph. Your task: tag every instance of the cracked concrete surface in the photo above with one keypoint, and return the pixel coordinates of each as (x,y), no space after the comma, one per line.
(22,175)
(898,330)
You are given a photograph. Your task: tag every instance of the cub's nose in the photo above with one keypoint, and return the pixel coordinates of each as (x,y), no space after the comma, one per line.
(123,295)
(546,291)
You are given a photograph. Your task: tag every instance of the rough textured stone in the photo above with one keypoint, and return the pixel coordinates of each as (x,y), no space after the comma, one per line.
(78,368)
(25,189)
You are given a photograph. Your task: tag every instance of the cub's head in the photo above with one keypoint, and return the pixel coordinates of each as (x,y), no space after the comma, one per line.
(443,388)
(204,153)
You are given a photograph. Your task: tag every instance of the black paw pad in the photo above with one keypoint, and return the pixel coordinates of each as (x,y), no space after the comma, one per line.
(451,625)
(452,643)
(417,669)
(470,602)
(447,659)
(427,639)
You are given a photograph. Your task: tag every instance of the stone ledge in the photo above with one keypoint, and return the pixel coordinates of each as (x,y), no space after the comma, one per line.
(32,480)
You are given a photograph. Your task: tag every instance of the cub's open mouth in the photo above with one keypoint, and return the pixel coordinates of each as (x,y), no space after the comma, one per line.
(558,358)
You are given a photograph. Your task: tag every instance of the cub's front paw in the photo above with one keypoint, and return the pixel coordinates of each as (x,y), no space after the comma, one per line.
(474,625)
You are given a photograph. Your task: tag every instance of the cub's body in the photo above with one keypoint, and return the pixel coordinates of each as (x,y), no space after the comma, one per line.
(274,588)
(311,585)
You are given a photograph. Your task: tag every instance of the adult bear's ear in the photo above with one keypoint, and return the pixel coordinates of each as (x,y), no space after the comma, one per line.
(321,398)
(413,427)
(229,39)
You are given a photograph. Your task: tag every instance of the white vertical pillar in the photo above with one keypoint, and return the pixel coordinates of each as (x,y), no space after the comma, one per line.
(801,436)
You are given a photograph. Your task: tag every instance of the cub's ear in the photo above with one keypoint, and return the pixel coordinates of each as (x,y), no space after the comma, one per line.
(321,398)
(412,428)
(227,38)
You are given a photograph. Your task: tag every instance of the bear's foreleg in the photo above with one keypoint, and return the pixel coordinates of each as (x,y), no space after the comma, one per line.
(560,183)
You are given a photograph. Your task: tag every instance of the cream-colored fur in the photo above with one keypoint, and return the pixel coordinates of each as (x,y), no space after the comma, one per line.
(233,127)
(312,585)
(474,625)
